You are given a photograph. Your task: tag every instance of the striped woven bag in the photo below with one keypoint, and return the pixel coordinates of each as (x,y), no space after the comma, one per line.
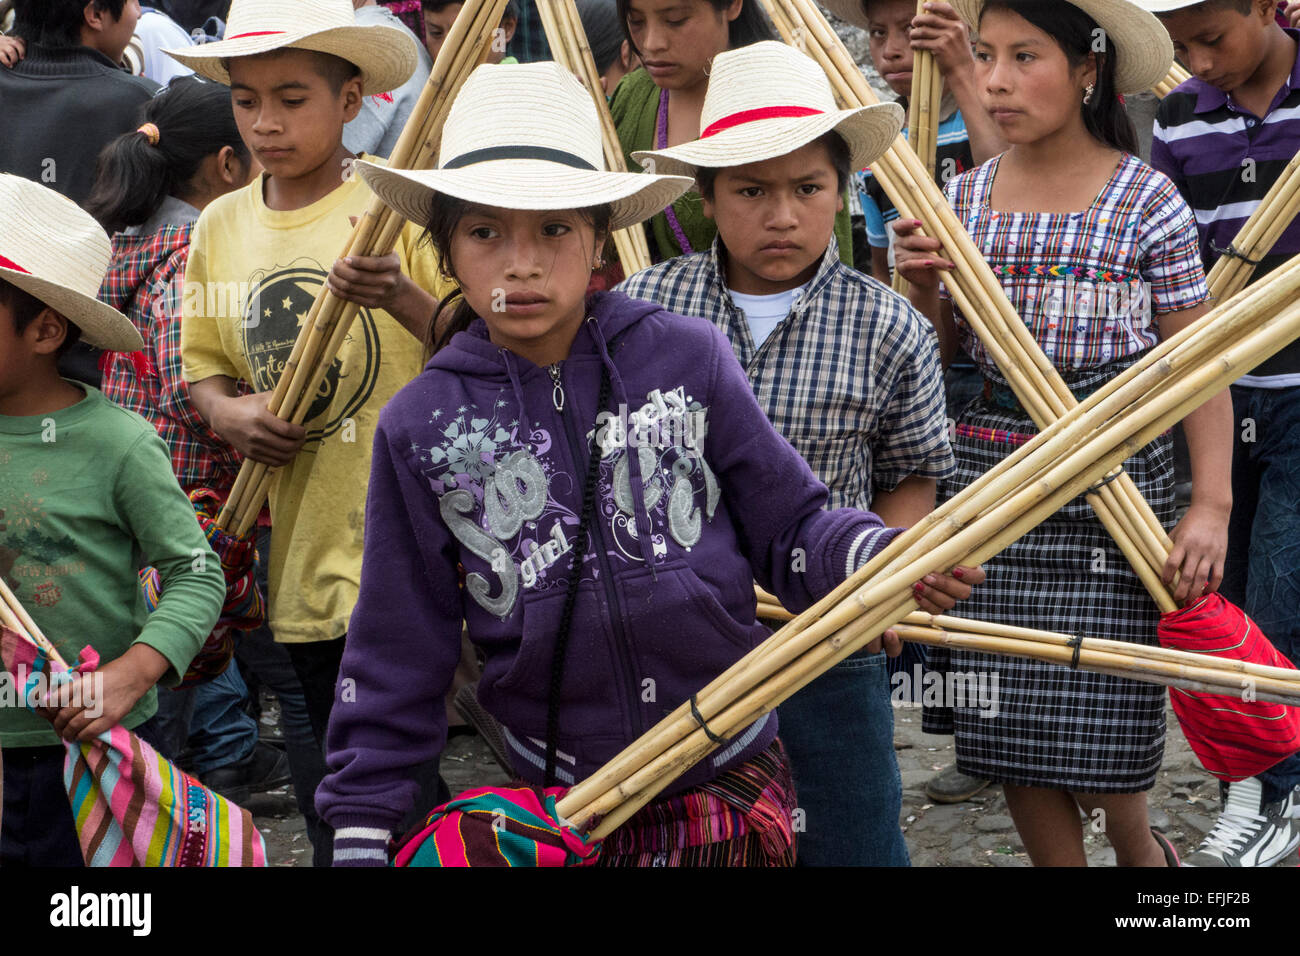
(132,807)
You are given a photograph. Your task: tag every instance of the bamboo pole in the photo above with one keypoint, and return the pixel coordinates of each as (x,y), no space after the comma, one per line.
(15,617)
(570,48)
(953,623)
(924,105)
(1133,666)
(1173,78)
(1256,238)
(375,233)
(1120,506)
(842,628)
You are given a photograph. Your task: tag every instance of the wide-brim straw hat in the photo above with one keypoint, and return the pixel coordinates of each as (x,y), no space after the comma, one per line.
(768,99)
(386,56)
(524,136)
(850,11)
(53,250)
(1140,43)
(1166,6)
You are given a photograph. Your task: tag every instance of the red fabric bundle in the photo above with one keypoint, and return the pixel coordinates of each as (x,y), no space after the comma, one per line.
(1233,736)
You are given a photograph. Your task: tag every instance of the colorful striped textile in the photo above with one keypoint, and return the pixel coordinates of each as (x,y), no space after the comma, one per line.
(244,608)
(744,817)
(1233,736)
(497,826)
(131,806)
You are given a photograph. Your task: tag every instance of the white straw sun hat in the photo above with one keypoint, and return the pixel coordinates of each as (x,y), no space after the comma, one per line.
(524,136)
(1143,54)
(386,56)
(52,249)
(768,99)
(850,11)
(1166,6)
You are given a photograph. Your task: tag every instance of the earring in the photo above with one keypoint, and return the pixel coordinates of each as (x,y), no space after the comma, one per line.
(1087,94)
(598,263)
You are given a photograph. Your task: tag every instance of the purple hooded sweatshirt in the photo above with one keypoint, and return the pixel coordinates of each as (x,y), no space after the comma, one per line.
(481,461)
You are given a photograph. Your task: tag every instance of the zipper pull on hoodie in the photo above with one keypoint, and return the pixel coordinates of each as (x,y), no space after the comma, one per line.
(557,392)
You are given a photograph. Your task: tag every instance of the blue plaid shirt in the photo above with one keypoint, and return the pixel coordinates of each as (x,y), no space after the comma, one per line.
(850,377)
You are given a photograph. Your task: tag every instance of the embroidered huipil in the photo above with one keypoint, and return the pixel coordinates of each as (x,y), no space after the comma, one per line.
(1088,284)
(851,377)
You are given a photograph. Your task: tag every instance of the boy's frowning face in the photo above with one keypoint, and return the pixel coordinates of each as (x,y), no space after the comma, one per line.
(889,25)
(776,218)
(1219,45)
(289,115)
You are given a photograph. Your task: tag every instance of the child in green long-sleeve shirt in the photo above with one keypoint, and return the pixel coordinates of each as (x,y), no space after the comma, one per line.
(87,497)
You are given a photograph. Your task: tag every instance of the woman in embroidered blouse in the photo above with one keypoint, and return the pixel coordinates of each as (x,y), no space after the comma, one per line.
(1098,254)
(659,105)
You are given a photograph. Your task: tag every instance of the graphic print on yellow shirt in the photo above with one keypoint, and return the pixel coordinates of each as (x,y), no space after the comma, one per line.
(278,303)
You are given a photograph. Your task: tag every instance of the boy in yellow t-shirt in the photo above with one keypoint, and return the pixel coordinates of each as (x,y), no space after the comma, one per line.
(257,260)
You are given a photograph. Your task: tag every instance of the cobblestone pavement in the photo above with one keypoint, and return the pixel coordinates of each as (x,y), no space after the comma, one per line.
(1184,804)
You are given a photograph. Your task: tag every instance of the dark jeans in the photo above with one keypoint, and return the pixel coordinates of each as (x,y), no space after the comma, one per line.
(211,719)
(38,826)
(839,734)
(1262,571)
(261,656)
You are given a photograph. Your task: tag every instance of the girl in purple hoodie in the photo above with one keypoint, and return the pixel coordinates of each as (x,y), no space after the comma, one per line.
(589,483)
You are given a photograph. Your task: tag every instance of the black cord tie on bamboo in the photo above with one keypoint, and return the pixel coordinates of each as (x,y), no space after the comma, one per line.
(699,719)
(1077,643)
(1231,252)
(571,593)
(1094,489)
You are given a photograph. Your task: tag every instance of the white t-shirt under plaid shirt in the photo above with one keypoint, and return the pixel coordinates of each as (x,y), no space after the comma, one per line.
(850,377)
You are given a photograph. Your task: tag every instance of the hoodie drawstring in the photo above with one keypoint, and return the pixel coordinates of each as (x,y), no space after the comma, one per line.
(642,517)
(519,391)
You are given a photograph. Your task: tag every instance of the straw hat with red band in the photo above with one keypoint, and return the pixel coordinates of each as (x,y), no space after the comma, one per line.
(768,99)
(53,250)
(386,56)
(1139,42)
(548,156)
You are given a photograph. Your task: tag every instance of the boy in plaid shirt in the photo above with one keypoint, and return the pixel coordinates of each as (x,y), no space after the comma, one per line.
(845,369)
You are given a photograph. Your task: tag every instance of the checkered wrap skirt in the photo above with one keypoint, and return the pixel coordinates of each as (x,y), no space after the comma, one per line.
(1040,724)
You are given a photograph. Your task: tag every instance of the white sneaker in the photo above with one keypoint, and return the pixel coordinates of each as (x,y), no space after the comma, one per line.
(1249,832)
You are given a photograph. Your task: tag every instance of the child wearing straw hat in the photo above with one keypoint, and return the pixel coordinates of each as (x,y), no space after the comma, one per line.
(598,474)
(845,369)
(1237,115)
(1097,252)
(966,135)
(86,490)
(659,105)
(258,256)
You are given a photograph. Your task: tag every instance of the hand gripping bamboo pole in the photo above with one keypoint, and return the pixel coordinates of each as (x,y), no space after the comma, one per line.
(376,232)
(571,50)
(924,105)
(1036,383)
(1135,428)
(1175,377)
